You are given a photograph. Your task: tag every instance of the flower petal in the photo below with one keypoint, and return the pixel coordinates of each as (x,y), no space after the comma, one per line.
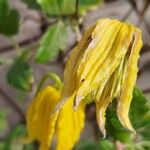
(117,39)
(40,122)
(106,97)
(130,79)
(69,125)
(101,107)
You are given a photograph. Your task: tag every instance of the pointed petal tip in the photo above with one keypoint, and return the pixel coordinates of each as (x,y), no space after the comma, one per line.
(77,102)
(104,133)
(75,108)
(126,122)
(57,108)
(132,130)
(59,105)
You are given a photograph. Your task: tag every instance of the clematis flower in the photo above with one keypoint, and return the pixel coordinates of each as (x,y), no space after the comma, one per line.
(103,66)
(42,124)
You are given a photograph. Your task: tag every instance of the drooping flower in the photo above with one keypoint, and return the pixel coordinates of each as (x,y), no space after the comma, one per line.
(42,124)
(103,66)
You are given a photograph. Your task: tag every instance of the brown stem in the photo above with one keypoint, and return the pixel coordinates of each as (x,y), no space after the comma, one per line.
(45,24)
(145,49)
(12,104)
(144,68)
(142,13)
(146,90)
(22,43)
(146,5)
(127,14)
(91,117)
(139,13)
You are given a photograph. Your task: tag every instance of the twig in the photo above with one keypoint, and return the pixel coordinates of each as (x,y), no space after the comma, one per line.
(143,68)
(134,6)
(142,13)
(127,14)
(145,49)
(29,41)
(91,117)
(146,90)
(21,44)
(12,104)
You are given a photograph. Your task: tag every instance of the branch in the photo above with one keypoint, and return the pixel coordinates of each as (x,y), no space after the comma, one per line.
(146,90)
(12,104)
(127,14)
(134,6)
(21,44)
(29,41)
(144,68)
(145,49)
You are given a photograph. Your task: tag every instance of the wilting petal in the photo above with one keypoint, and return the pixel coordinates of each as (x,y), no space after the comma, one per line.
(117,40)
(101,107)
(69,125)
(130,79)
(40,122)
(94,59)
(102,53)
(108,94)
(70,72)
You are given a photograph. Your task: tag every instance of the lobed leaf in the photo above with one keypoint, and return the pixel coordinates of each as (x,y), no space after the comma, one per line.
(4,8)
(53,40)
(139,116)
(86,5)
(20,74)
(57,7)
(9,19)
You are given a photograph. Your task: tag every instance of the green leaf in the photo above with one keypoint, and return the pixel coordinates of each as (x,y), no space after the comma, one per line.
(106,145)
(32,4)
(54,39)
(67,6)
(13,141)
(86,5)
(87,144)
(4,8)
(114,128)
(57,7)
(9,22)
(139,109)
(20,74)
(139,115)
(1,145)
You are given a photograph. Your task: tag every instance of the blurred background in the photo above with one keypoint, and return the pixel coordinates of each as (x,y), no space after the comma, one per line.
(28,35)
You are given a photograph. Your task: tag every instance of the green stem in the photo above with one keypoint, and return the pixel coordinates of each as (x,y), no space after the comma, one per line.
(53,76)
(76,14)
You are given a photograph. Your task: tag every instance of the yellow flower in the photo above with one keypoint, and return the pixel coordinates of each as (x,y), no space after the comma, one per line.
(103,66)
(42,124)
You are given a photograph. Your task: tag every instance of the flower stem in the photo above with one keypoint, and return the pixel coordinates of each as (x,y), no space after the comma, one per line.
(53,76)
